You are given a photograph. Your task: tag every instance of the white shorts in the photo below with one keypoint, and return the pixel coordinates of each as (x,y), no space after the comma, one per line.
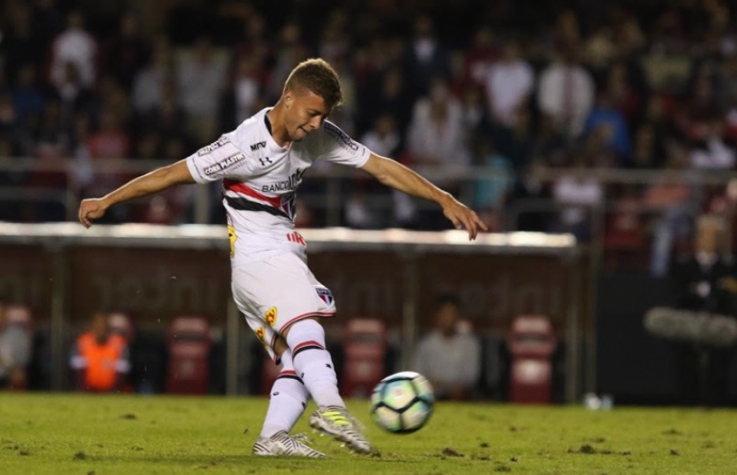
(277,291)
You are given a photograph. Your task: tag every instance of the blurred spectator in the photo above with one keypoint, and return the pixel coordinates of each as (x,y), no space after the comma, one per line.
(489,193)
(15,352)
(149,81)
(289,52)
(426,58)
(518,143)
(608,121)
(22,43)
(436,131)
(670,199)
(449,358)
(509,84)
(566,93)
(28,97)
(385,139)
(242,98)
(201,79)
(705,283)
(127,53)
(528,203)
(712,152)
(100,358)
(76,46)
(386,92)
(478,58)
(578,197)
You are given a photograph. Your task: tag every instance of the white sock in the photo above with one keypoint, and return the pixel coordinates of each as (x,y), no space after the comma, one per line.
(288,399)
(313,363)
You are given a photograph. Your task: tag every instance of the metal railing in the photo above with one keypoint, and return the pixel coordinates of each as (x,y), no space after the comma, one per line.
(334,183)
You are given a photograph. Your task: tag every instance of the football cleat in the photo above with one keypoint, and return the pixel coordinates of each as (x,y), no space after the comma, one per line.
(337,423)
(282,443)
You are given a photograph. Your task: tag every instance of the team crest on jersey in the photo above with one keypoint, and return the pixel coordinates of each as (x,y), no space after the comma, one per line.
(271,316)
(325,294)
(260,334)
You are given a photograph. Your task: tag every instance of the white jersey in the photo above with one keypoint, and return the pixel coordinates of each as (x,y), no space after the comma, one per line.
(260,179)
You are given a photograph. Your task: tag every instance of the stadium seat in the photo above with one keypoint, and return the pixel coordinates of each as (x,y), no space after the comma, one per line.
(625,245)
(365,345)
(531,342)
(189,352)
(20,315)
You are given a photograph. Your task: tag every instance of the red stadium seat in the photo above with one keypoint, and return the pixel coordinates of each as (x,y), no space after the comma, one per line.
(531,342)
(365,345)
(189,354)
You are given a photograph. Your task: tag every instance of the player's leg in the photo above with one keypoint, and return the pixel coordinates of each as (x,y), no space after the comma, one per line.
(287,401)
(286,297)
(314,364)
(288,394)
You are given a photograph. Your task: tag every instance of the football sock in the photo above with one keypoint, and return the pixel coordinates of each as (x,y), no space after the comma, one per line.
(287,401)
(313,363)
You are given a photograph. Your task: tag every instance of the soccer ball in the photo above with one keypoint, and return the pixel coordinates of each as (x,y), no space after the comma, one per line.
(402,403)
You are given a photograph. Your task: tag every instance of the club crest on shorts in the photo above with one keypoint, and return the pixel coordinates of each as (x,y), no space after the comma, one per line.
(260,334)
(270,316)
(325,294)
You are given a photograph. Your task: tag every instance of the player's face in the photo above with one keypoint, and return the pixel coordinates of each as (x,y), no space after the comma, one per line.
(305,113)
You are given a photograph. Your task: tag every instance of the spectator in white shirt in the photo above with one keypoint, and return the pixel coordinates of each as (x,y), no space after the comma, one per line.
(576,197)
(713,152)
(509,83)
(74,45)
(436,131)
(566,93)
(201,79)
(448,357)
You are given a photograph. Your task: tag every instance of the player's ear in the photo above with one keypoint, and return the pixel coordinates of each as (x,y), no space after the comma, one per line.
(288,98)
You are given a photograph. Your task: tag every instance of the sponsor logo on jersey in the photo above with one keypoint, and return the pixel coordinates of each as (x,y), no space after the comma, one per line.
(224,164)
(325,294)
(271,316)
(289,184)
(213,146)
(341,136)
(260,334)
(257,146)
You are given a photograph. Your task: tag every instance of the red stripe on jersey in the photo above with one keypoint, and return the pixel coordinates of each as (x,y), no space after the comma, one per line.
(306,343)
(288,372)
(238,187)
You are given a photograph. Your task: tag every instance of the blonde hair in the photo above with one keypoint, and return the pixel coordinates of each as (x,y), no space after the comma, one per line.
(319,77)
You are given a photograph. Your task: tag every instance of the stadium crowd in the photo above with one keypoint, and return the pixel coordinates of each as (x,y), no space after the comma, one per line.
(518,87)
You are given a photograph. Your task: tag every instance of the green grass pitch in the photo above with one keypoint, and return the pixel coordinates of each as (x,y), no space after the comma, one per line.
(85,434)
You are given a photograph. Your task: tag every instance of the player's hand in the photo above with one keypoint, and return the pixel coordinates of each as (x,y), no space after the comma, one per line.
(462,217)
(91,209)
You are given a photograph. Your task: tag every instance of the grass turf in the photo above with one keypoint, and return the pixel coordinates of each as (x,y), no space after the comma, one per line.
(85,434)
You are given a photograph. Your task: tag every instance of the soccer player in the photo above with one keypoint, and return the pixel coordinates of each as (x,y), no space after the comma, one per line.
(261,164)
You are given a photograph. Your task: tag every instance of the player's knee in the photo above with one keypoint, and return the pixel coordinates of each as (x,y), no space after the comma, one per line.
(305,332)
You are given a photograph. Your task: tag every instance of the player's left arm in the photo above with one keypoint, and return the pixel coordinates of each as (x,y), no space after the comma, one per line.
(397,176)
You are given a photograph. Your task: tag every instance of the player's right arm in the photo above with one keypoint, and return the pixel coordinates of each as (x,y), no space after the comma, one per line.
(148,184)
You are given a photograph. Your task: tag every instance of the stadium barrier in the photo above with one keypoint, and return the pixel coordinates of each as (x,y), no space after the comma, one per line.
(155,273)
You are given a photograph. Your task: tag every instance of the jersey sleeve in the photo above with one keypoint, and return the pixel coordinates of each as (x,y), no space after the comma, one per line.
(219,160)
(337,147)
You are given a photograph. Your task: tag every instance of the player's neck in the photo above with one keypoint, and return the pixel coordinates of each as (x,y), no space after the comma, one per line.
(278,130)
